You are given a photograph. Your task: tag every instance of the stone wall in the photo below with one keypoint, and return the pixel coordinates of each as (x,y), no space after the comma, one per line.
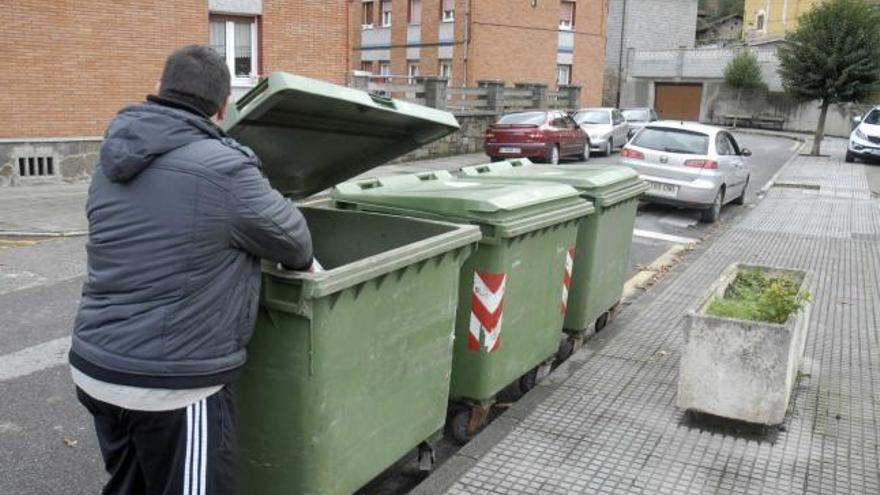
(75,160)
(468,139)
(718,100)
(68,160)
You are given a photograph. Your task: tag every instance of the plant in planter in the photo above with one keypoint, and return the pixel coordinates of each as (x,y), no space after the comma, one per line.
(744,344)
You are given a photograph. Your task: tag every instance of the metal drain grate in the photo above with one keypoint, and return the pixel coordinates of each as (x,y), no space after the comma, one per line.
(36,166)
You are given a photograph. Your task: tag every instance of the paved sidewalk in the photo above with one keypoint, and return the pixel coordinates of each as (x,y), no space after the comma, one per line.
(59,210)
(605,422)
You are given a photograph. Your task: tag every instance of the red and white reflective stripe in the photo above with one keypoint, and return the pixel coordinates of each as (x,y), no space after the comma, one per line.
(566,279)
(487,304)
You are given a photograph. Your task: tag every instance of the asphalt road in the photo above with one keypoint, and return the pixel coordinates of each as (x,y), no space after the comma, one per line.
(47,444)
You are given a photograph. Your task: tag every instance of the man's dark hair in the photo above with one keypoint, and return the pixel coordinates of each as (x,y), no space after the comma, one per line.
(197,76)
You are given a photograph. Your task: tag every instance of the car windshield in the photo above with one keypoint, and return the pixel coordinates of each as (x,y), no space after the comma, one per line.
(593,117)
(873,118)
(536,118)
(637,115)
(673,140)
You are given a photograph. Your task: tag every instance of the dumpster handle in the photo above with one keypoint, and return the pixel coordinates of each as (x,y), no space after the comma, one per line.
(300,310)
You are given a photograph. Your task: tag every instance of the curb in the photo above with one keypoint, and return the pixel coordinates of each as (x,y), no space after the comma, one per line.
(772,181)
(799,137)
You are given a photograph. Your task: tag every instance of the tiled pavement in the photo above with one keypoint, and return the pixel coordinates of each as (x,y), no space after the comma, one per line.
(606,423)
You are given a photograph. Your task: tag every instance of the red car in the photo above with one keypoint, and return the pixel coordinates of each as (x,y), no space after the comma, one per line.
(543,136)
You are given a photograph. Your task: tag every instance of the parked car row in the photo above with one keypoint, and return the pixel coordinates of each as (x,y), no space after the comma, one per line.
(686,164)
(553,135)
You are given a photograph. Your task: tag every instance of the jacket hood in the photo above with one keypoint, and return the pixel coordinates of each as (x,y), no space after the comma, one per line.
(141,133)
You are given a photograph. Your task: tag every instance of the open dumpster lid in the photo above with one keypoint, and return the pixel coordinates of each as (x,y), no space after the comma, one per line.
(603,184)
(310,134)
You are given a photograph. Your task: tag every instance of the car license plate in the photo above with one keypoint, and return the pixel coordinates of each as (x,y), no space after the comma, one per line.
(509,150)
(661,189)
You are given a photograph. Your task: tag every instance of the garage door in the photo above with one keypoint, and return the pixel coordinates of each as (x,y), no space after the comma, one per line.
(678,101)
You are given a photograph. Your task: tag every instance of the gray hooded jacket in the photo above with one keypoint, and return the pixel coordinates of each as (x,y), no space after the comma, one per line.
(179,217)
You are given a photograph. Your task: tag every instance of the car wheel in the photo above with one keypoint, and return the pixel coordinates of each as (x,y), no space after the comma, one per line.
(586,154)
(741,199)
(850,158)
(495,159)
(609,147)
(713,213)
(554,155)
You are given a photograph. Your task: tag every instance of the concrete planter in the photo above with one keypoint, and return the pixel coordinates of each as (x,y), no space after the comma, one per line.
(738,369)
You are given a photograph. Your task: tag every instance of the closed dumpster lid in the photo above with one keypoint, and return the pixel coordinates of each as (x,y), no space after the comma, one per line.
(605,185)
(515,208)
(310,134)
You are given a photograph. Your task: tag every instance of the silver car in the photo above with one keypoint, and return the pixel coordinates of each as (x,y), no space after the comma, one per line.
(689,164)
(636,118)
(864,142)
(606,127)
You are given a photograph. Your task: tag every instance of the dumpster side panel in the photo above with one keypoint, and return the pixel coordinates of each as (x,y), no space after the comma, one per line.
(332,397)
(510,310)
(601,261)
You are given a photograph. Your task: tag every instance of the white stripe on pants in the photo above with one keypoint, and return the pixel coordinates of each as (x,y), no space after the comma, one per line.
(196,464)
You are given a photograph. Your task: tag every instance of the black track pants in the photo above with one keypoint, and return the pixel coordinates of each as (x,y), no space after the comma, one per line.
(189,451)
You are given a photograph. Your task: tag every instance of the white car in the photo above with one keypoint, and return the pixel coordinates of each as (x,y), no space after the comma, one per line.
(864,142)
(689,164)
(606,127)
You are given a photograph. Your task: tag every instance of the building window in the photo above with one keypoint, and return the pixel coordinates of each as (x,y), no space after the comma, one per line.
(386,13)
(446,70)
(566,19)
(235,38)
(447,10)
(761,21)
(384,71)
(367,66)
(412,72)
(563,75)
(367,20)
(414,14)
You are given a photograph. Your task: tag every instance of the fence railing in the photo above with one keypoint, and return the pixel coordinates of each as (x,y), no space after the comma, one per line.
(489,97)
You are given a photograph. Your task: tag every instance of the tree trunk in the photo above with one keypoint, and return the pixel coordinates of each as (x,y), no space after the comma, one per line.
(820,129)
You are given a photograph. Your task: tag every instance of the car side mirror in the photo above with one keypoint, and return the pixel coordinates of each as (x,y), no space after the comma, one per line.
(745,152)
(857,119)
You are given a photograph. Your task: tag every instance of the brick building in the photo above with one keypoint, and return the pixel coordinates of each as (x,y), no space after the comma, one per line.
(70,65)
(548,41)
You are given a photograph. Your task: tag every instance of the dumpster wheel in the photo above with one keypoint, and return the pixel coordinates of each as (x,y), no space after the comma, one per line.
(468,420)
(604,318)
(531,379)
(601,321)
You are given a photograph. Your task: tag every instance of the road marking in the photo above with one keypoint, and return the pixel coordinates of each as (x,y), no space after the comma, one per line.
(34,359)
(664,237)
(795,145)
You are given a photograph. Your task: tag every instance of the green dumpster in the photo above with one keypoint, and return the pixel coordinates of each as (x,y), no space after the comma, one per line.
(604,238)
(348,368)
(512,295)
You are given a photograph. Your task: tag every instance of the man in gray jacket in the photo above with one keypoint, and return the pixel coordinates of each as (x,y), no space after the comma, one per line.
(179,217)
